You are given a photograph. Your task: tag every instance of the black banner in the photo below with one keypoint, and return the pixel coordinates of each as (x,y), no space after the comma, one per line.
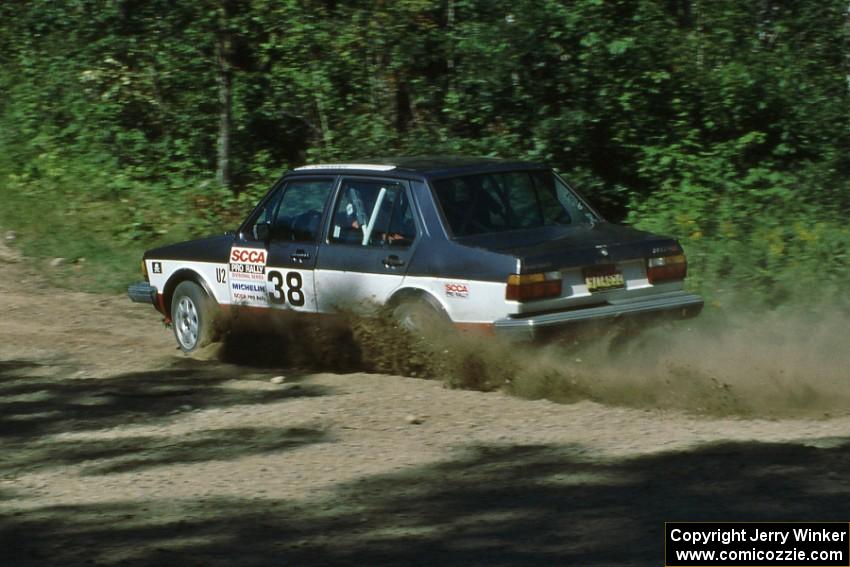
(757,544)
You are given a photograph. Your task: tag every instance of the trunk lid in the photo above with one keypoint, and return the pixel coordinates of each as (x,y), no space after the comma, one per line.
(579,253)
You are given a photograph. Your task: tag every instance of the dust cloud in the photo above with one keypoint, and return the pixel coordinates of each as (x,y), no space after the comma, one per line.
(727,362)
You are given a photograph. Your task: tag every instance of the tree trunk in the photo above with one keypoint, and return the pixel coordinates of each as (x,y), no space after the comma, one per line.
(225,104)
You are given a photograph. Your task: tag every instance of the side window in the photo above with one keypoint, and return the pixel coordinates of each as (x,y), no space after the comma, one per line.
(266,214)
(373,213)
(299,214)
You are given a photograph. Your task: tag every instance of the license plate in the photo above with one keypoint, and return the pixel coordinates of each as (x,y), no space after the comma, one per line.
(601,278)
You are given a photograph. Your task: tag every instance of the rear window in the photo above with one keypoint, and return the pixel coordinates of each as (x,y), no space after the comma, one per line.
(498,202)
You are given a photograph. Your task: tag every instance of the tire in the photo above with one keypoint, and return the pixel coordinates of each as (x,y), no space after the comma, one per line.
(191,316)
(417,316)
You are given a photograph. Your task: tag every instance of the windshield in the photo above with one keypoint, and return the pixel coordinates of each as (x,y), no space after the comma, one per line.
(498,202)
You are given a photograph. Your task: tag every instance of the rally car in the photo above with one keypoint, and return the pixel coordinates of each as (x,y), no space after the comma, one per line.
(504,247)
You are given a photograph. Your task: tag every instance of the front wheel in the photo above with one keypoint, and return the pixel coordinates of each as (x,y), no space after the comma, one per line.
(191,316)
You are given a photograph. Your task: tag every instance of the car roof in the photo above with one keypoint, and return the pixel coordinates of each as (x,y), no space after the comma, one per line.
(427,167)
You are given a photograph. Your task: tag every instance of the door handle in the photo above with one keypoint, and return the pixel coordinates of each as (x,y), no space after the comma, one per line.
(392,261)
(299,256)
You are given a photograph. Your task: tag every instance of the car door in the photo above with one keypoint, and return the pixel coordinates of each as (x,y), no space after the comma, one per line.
(273,266)
(371,236)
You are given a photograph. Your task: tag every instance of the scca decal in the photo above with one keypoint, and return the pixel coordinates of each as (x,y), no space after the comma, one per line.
(456,290)
(248,256)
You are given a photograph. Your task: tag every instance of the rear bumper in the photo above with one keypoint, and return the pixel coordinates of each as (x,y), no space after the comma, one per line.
(142,292)
(676,303)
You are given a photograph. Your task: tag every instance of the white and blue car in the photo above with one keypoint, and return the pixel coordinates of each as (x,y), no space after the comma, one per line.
(505,247)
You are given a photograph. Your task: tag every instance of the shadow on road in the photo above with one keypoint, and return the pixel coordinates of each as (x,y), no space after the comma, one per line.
(34,404)
(139,452)
(38,401)
(495,505)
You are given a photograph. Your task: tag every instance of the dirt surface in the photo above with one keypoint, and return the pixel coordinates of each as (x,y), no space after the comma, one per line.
(117,449)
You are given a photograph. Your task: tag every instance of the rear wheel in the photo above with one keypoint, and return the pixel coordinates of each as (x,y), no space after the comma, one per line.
(420,317)
(191,316)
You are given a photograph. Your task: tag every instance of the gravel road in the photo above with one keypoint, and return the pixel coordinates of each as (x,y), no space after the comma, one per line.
(118,450)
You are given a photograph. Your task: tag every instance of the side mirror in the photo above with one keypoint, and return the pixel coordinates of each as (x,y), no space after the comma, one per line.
(263,231)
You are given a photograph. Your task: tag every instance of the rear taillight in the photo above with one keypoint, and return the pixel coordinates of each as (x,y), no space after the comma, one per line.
(145,271)
(666,268)
(527,287)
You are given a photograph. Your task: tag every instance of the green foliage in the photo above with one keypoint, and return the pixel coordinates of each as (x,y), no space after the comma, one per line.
(724,123)
(749,229)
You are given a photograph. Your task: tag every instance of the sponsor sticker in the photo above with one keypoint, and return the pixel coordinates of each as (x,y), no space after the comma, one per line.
(247,268)
(156,267)
(453,289)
